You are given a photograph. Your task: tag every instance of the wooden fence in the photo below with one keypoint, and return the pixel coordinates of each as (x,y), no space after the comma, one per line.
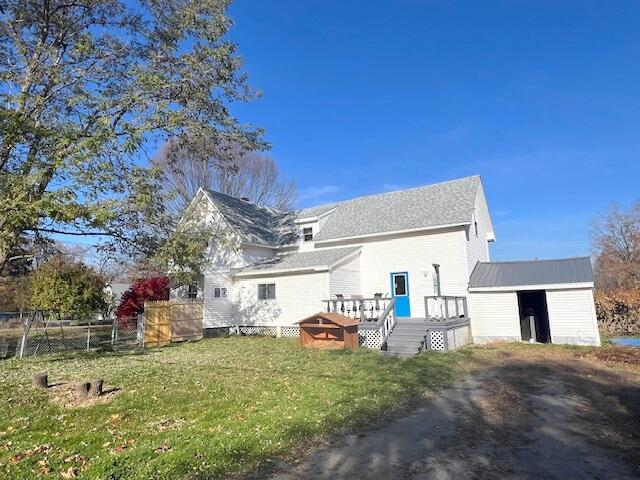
(172,321)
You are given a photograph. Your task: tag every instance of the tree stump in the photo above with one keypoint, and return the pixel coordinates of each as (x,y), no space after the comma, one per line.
(95,387)
(82,389)
(41,380)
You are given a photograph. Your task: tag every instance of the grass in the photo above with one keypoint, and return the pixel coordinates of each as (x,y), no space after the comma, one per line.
(202,409)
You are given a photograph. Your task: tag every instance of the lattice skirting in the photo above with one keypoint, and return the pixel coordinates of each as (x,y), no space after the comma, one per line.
(216,332)
(290,331)
(370,338)
(437,340)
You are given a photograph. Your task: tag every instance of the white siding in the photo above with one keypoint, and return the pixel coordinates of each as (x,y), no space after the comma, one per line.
(216,311)
(494,316)
(477,245)
(572,316)
(297,297)
(345,278)
(416,255)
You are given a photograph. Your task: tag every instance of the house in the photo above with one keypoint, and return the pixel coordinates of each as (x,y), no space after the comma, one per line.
(400,262)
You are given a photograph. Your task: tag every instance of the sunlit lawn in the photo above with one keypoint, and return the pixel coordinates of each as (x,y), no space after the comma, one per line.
(207,409)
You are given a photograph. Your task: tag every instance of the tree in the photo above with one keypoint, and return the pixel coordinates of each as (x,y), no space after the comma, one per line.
(87,87)
(142,290)
(616,245)
(67,288)
(250,174)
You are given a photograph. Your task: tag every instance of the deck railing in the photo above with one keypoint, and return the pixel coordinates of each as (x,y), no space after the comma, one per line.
(363,309)
(440,308)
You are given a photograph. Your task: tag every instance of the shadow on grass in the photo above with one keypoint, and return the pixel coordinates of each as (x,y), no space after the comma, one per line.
(525,417)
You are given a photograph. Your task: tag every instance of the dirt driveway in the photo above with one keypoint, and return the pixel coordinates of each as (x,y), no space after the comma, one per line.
(529,413)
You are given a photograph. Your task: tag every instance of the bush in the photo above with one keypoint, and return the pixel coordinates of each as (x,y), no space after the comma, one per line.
(618,311)
(67,288)
(147,289)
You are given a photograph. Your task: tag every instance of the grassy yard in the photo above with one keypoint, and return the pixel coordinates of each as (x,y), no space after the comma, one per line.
(201,409)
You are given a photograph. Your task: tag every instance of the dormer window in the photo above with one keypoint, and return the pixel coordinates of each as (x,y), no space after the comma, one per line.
(307,234)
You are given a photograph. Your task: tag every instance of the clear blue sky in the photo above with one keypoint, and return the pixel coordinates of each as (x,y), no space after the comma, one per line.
(541,98)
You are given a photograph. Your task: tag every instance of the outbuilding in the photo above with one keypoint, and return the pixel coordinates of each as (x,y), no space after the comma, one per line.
(546,301)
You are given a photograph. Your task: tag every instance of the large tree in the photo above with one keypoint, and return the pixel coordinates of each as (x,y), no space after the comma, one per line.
(616,240)
(253,175)
(88,86)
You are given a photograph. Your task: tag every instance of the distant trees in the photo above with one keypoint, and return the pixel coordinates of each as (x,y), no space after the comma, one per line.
(616,246)
(252,175)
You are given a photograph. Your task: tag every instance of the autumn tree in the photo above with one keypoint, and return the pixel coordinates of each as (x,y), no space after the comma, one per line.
(253,175)
(616,245)
(89,86)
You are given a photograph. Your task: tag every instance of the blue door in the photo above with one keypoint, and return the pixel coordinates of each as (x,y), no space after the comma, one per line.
(400,291)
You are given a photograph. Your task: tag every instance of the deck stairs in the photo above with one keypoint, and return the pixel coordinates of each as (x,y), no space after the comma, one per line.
(407,338)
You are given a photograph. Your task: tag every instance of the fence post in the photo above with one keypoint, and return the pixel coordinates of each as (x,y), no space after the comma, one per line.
(89,334)
(278,331)
(113,332)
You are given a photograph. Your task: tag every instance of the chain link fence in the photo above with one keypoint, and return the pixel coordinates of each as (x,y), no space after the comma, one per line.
(35,333)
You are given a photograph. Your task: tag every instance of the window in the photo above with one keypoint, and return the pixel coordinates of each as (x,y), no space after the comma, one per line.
(219,292)
(192,293)
(266,291)
(307,234)
(399,285)
(437,289)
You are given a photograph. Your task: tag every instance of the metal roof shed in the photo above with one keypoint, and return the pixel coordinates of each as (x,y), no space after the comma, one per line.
(538,300)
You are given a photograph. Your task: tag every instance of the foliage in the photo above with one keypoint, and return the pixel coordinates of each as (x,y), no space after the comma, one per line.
(616,244)
(204,409)
(86,88)
(618,311)
(252,175)
(67,288)
(15,293)
(146,289)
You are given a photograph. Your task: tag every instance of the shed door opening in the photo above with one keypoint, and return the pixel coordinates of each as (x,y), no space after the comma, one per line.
(534,317)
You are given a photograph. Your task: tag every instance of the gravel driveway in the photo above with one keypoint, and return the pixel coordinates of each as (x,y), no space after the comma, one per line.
(528,414)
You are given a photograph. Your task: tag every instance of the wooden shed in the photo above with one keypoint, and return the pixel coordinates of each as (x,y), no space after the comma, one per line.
(329,330)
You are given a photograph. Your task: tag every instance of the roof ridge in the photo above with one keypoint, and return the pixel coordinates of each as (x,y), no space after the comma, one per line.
(264,207)
(382,194)
(581,257)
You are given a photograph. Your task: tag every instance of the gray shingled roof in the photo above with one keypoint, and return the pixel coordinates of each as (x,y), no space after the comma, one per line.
(533,272)
(255,223)
(434,205)
(324,257)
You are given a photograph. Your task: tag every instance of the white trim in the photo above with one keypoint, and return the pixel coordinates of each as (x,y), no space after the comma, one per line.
(392,232)
(548,286)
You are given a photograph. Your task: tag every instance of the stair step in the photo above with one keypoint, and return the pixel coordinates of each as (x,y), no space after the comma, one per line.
(387,353)
(403,334)
(404,341)
(403,349)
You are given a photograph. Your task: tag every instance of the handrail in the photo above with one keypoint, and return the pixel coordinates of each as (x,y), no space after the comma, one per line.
(363,309)
(445,307)
(389,321)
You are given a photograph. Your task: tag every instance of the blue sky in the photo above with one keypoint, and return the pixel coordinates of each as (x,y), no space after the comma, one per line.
(540,98)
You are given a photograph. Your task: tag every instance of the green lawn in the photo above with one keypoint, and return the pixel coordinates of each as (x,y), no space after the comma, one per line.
(206,409)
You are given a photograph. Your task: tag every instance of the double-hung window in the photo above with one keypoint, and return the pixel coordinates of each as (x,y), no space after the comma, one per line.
(307,234)
(266,291)
(219,292)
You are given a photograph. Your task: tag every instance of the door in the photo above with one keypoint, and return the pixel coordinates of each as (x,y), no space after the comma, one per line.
(400,291)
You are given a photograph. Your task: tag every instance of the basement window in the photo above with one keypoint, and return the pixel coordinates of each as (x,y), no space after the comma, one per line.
(219,292)
(307,234)
(266,291)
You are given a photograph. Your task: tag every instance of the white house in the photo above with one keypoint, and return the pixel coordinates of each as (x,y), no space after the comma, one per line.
(399,261)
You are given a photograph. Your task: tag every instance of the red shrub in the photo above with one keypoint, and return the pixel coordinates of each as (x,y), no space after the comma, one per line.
(146,289)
